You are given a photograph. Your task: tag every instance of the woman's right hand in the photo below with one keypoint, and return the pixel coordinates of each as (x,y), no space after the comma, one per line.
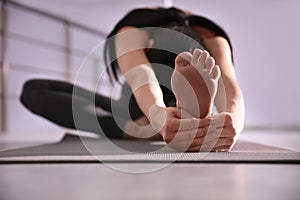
(185,134)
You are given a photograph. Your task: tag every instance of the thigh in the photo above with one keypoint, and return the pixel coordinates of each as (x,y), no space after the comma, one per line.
(47,85)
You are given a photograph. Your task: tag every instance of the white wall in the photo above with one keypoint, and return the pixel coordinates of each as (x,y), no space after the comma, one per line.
(36,50)
(264,36)
(30,61)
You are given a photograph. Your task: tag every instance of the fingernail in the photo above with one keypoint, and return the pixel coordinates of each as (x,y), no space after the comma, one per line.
(222,150)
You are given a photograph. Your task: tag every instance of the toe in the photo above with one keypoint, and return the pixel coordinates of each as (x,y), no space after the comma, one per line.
(202,60)
(209,64)
(183,59)
(216,73)
(196,54)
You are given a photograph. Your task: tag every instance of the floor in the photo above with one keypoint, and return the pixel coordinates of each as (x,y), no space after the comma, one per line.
(177,181)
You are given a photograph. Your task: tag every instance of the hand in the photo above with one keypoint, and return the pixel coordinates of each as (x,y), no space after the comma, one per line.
(226,133)
(181,134)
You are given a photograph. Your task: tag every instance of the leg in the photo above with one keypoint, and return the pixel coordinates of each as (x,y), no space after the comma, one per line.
(53,100)
(127,98)
(195,81)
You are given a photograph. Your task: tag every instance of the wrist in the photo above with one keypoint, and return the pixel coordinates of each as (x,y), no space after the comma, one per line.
(157,116)
(238,119)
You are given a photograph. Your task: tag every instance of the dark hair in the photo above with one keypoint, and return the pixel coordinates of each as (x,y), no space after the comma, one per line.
(168,43)
(139,18)
(174,19)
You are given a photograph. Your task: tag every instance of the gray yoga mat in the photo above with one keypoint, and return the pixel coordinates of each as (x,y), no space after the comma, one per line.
(81,149)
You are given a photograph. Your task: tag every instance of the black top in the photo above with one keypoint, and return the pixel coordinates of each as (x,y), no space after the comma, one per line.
(160,17)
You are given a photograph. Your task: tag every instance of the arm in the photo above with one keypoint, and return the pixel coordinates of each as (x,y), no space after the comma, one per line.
(229,97)
(134,65)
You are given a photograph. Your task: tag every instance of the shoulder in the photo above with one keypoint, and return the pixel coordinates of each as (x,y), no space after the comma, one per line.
(132,32)
(212,34)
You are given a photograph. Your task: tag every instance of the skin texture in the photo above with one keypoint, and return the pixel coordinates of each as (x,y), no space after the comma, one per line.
(179,128)
(195,82)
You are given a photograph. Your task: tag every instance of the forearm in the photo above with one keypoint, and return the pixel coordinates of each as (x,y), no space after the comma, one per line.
(134,65)
(229,96)
(230,99)
(145,87)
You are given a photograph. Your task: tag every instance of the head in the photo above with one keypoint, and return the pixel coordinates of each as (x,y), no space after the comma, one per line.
(165,45)
(168,43)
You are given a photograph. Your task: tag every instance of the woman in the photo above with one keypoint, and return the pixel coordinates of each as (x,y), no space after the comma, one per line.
(138,52)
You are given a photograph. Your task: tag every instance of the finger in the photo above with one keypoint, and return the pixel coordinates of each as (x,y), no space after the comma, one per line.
(194,149)
(217,149)
(212,146)
(196,137)
(221,149)
(186,144)
(178,147)
(185,139)
(222,119)
(217,143)
(210,133)
(185,115)
(224,132)
(193,123)
(227,132)
(193,133)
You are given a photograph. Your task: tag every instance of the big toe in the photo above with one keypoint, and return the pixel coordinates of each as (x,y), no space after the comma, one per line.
(183,59)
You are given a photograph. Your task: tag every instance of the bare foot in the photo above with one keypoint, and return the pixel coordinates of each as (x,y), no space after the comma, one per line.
(195,81)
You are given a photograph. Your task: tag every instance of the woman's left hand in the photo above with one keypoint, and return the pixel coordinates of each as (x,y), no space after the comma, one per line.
(226,130)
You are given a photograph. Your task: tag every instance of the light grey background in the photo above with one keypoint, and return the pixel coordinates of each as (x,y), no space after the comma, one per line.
(264,36)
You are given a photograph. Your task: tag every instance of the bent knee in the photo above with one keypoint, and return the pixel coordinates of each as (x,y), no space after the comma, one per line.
(32,94)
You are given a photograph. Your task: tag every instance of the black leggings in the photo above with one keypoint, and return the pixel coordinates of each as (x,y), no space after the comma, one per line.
(53,100)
